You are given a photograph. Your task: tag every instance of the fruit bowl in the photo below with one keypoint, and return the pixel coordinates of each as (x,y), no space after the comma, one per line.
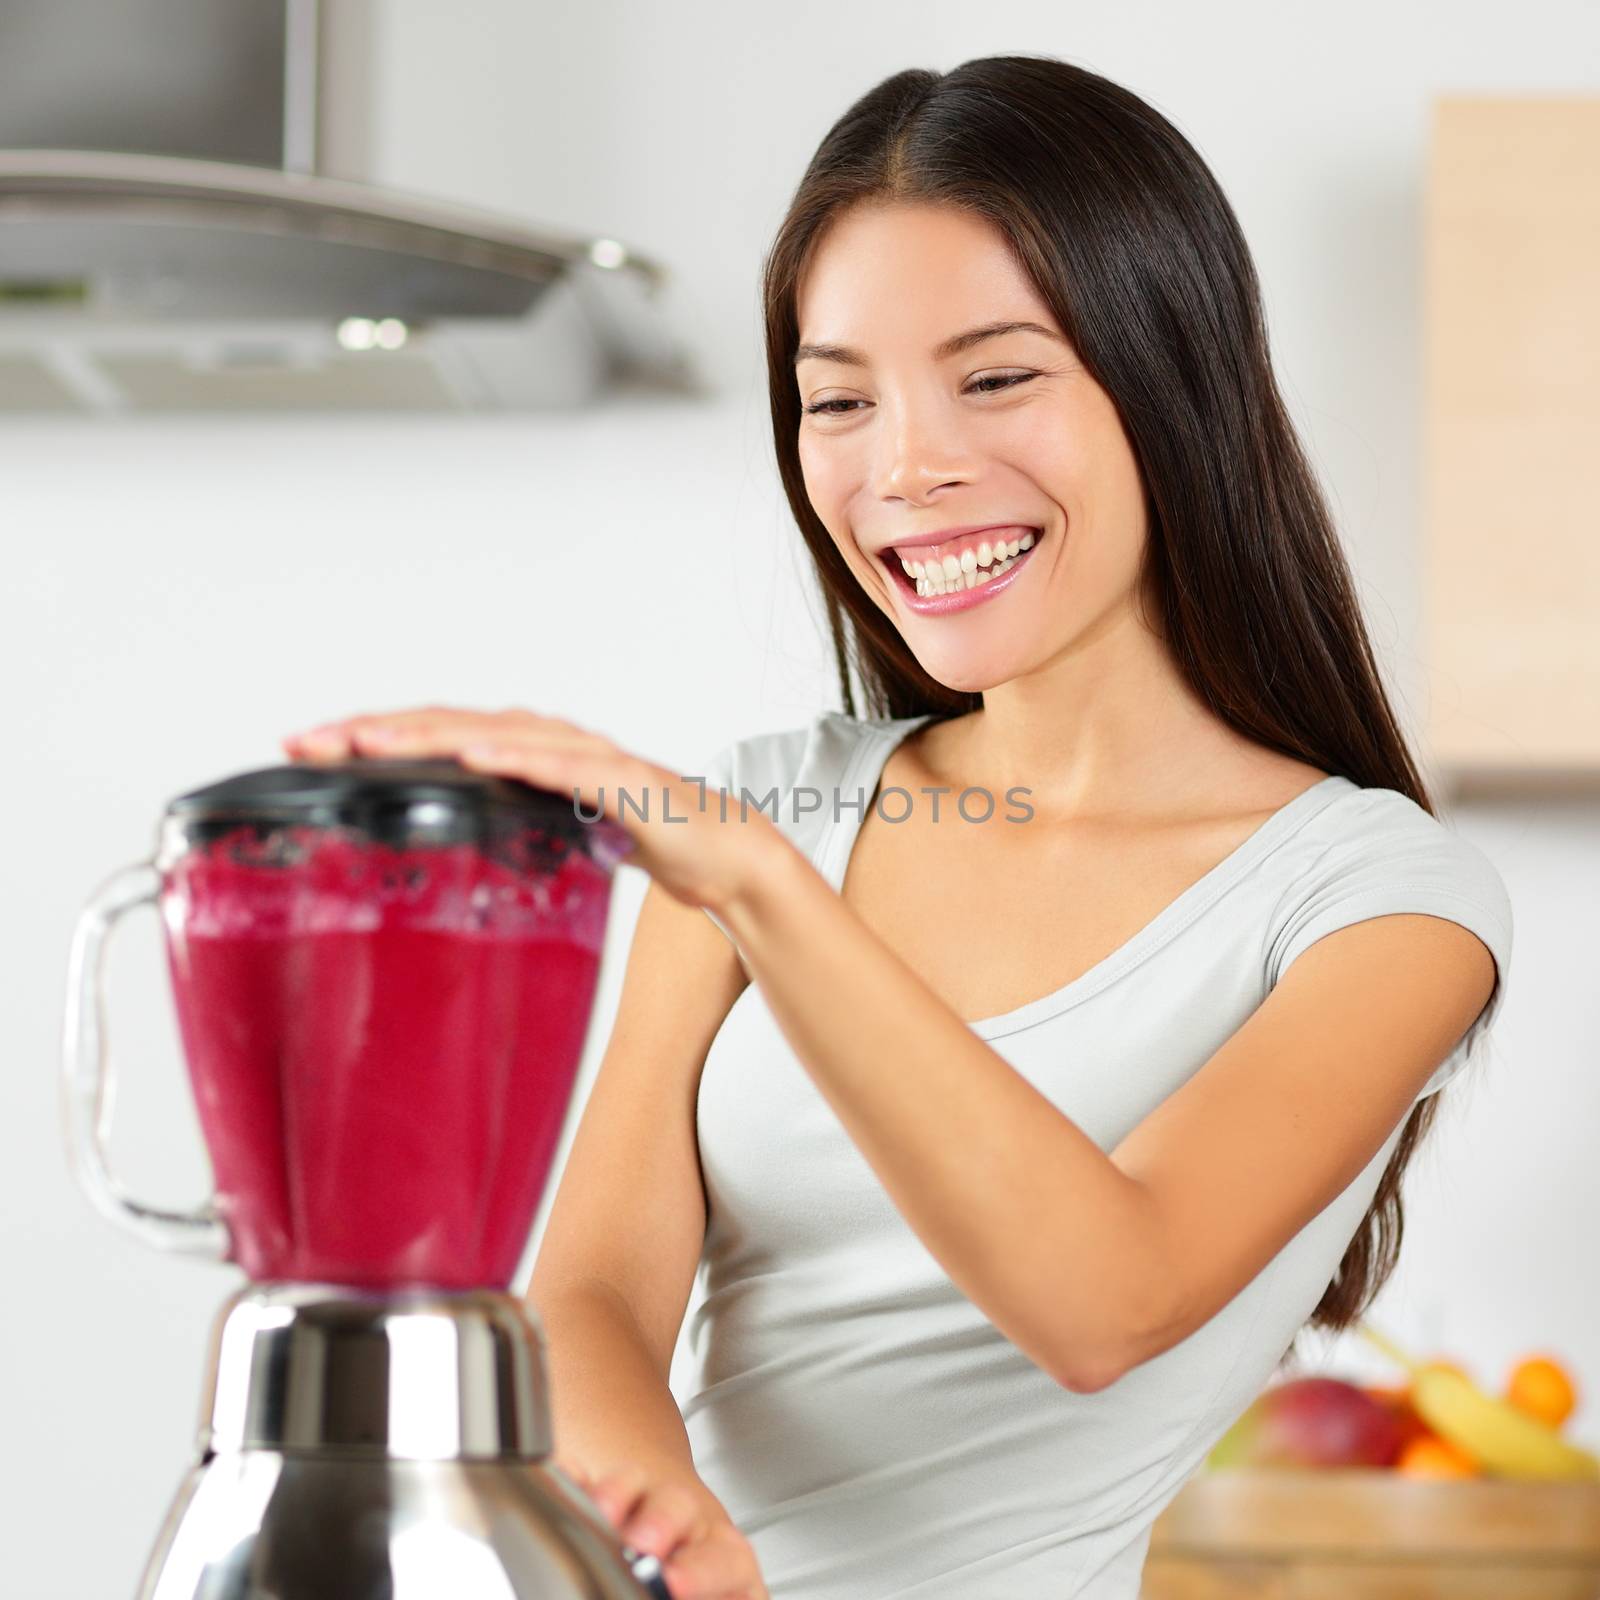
(1430,1489)
(1366,1533)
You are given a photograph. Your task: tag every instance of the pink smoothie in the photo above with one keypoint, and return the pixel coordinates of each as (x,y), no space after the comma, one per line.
(382,1045)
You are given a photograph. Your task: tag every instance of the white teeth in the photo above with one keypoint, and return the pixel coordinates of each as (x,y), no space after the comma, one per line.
(966,571)
(930,586)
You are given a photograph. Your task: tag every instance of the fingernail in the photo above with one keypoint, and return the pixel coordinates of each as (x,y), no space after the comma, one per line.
(648,1537)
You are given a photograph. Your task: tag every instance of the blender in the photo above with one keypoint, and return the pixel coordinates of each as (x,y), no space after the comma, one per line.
(383,973)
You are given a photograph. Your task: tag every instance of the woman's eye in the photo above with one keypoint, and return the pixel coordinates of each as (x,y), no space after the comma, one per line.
(1005,381)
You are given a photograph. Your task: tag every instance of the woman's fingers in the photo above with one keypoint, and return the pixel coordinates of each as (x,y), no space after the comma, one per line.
(703,1556)
(663,1518)
(718,1566)
(340,738)
(617,1491)
(432,730)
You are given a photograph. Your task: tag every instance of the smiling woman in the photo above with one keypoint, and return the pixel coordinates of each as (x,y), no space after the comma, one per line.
(1007,407)
(1017,1156)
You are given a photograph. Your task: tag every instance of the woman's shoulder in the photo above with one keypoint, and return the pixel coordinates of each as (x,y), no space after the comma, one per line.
(1372,851)
(1385,825)
(782,757)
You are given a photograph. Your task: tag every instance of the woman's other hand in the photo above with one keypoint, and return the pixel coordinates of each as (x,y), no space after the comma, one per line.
(703,1556)
(680,834)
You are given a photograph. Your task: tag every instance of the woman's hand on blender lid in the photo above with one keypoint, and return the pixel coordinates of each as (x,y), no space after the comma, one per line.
(704,851)
(703,1555)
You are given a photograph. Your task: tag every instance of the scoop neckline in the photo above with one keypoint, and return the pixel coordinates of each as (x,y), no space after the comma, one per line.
(864,771)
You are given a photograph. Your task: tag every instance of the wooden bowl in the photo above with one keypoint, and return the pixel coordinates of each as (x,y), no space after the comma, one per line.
(1356,1533)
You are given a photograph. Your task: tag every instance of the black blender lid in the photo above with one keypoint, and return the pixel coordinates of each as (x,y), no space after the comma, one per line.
(393,800)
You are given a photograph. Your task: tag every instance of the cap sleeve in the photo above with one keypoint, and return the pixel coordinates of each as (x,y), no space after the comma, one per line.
(1410,862)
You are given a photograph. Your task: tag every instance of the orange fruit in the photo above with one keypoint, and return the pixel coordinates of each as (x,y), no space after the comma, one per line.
(1543,1388)
(1429,1456)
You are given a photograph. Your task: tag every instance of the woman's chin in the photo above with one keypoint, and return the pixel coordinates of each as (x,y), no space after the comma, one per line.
(963,675)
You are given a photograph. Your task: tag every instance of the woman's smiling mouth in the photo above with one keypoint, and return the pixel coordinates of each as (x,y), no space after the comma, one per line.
(958,573)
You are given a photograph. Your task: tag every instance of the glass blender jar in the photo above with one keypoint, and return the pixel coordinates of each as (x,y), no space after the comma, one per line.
(383,972)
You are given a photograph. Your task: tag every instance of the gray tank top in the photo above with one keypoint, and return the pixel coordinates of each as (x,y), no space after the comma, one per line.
(870,1431)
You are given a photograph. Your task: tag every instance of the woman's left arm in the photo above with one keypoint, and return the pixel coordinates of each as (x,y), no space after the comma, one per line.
(1092,1263)
(1089,1263)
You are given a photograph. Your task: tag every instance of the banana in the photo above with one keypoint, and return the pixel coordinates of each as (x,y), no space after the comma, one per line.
(1506,1441)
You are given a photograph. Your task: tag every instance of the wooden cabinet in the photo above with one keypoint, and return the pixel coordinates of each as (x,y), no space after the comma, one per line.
(1511,568)
(1357,1534)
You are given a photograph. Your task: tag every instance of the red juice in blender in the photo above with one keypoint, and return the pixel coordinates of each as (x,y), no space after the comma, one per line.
(382,1032)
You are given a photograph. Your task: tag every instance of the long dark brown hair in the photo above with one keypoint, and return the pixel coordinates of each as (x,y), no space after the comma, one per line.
(1127,237)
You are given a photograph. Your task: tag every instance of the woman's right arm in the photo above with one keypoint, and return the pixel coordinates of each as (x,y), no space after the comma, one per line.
(618,1257)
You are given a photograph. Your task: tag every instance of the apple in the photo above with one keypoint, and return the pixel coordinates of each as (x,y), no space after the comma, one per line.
(1311,1422)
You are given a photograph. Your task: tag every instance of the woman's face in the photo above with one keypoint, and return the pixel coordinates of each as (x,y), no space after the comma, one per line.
(913,443)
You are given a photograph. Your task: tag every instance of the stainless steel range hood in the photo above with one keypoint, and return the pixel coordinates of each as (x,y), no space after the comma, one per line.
(143,275)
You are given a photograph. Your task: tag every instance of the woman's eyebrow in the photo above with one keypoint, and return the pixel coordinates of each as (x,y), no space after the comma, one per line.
(952,346)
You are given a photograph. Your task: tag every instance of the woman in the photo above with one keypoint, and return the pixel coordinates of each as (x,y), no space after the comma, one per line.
(1052,1114)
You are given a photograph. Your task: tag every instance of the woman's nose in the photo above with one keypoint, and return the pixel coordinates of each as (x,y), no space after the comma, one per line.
(916,456)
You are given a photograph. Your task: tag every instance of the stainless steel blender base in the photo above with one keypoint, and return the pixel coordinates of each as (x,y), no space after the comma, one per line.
(362,1446)
(257,1525)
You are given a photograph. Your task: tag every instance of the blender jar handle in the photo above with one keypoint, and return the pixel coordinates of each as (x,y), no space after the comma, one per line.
(88,1088)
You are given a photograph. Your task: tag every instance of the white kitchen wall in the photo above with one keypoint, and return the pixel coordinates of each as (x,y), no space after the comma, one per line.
(178,593)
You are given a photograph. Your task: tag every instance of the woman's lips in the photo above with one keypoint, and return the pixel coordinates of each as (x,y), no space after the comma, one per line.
(962,599)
